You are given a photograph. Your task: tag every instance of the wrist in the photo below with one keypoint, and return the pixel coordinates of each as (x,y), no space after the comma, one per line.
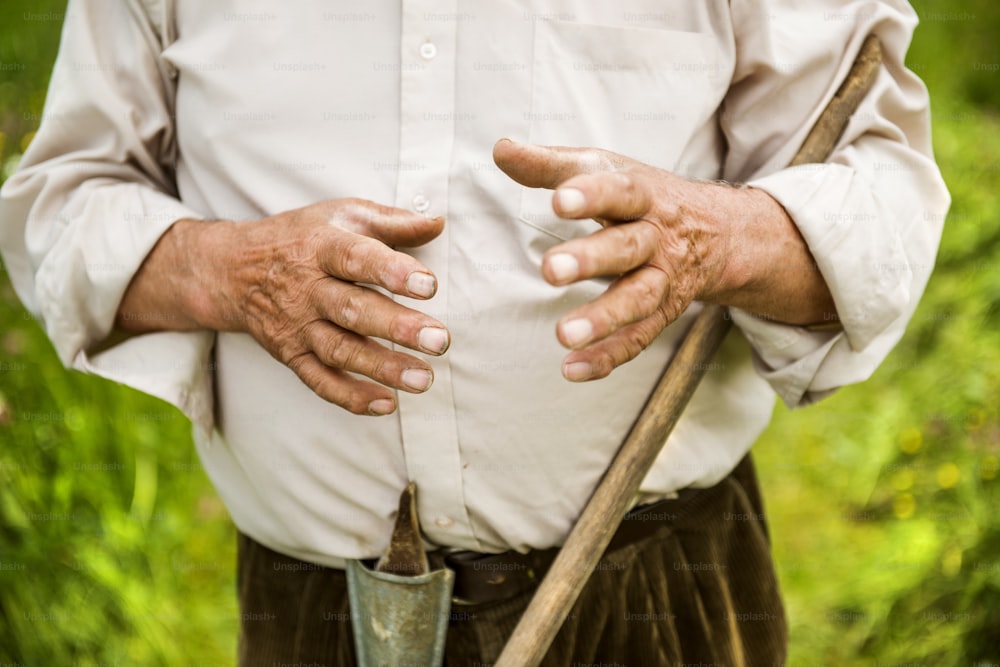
(207,271)
(733,212)
(768,269)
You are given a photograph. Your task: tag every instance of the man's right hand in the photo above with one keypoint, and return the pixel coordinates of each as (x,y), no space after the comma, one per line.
(293,281)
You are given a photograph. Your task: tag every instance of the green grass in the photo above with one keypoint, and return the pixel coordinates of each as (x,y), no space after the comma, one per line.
(114,548)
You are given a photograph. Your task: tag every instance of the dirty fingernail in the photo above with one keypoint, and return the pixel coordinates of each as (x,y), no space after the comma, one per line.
(381,406)
(433,340)
(570,200)
(577,371)
(417,379)
(577,332)
(564,267)
(421,284)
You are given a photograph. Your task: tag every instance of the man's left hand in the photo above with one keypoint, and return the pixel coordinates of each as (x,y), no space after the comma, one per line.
(662,238)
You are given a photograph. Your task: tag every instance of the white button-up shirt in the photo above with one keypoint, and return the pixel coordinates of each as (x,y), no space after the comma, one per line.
(166,109)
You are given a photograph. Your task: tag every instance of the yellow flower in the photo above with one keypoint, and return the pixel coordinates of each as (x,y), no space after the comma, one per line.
(910,440)
(902,480)
(904,505)
(948,475)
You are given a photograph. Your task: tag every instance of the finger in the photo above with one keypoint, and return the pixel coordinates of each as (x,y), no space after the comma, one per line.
(611,251)
(340,388)
(364,253)
(598,360)
(358,258)
(347,351)
(631,298)
(606,195)
(369,313)
(548,166)
(392,226)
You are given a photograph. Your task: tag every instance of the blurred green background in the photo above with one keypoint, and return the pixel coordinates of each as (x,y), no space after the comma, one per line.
(882,499)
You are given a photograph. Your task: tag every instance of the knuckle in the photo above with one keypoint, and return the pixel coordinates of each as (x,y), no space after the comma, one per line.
(312,297)
(669,311)
(590,160)
(337,391)
(383,369)
(312,377)
(337,350)
(348,307)
(297,365)
(365,214)
(605,160)
(351,207)
(623,183)
(351,354)
(404,328)
(635,196)
(644,298)
(355,259)
(341,391)
(369,261)
(669,210)
(291,350)
(634,246)
(635,341)
(353,204)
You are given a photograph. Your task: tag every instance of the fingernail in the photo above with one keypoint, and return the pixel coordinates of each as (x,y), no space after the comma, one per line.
(577,371)
(577,332)
(433,339)
(570,200)
(563,267)
(421,284)
(417,379)
(381,406)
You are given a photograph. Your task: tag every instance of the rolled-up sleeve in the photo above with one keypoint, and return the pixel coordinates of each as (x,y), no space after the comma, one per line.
(871,216)
(93,194)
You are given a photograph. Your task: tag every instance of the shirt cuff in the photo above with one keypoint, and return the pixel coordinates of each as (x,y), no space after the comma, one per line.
(787,356)
(854,241)
(857,249)
(82,280)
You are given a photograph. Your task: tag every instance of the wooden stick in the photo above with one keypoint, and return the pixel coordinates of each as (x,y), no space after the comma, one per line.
(590,536)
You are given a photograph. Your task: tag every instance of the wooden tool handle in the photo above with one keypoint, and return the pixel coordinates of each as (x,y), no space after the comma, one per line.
(604,511)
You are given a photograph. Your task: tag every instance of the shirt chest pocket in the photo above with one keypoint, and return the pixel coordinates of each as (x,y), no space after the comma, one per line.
(640,92)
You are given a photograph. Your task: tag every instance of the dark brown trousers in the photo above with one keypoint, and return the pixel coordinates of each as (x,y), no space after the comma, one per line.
(700,589)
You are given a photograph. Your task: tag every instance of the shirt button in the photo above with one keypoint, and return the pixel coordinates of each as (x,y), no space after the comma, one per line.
(421,204)
(444,522)
(428,50)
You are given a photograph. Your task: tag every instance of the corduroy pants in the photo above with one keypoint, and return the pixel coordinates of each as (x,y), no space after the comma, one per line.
(700,590)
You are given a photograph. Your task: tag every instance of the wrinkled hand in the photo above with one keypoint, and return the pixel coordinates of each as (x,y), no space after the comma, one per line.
(659,239)
(299,292)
